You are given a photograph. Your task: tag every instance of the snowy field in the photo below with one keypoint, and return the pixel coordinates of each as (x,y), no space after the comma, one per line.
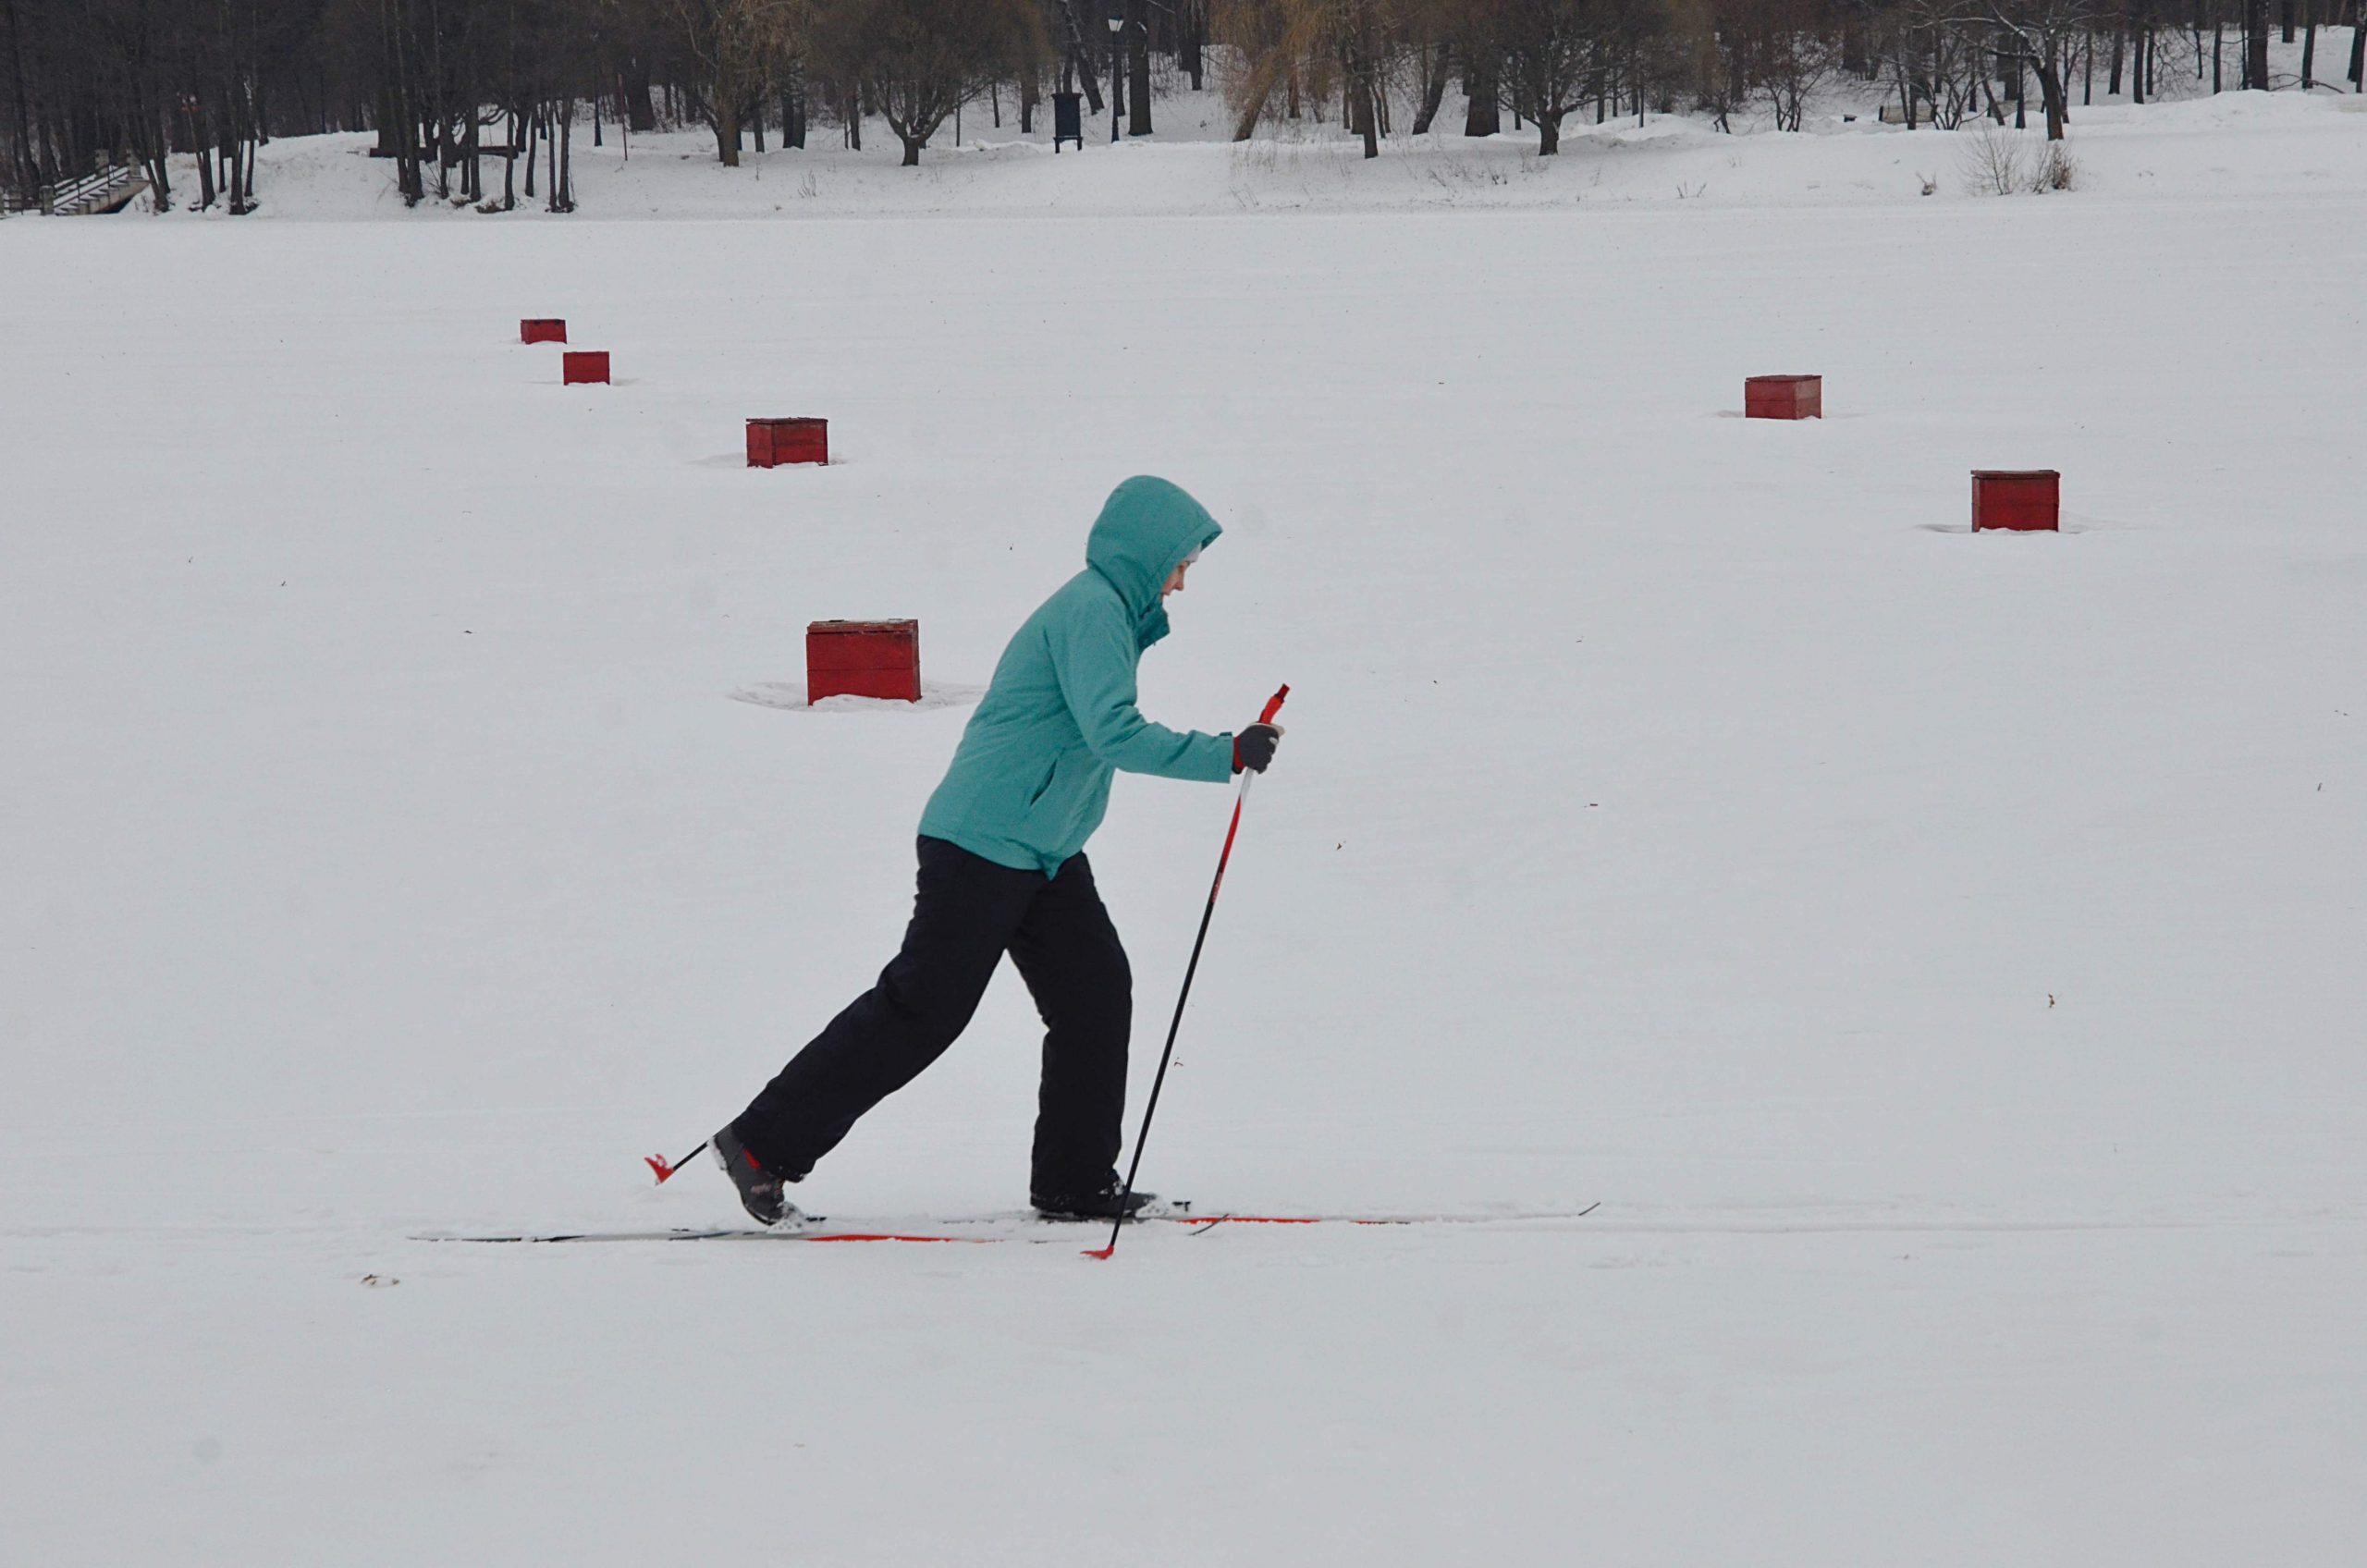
(2239,144)
(1940,955)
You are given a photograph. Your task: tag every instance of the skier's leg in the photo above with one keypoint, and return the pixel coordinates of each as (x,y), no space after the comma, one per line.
(1069,953)
(963,914)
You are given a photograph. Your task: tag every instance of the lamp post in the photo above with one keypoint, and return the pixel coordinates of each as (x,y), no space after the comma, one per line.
(1117,25)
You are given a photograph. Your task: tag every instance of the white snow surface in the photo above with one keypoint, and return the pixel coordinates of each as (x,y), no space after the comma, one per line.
(1939,953)
(2248,144)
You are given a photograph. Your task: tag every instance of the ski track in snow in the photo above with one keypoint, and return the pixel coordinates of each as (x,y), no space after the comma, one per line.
(1939,951)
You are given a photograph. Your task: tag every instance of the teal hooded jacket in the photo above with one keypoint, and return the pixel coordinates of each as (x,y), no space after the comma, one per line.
(1031,778)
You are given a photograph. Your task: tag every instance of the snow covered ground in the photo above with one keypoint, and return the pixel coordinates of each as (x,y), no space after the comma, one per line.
(2251,144)
(1940,954)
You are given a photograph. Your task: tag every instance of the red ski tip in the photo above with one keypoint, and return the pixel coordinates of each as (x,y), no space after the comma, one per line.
(1099,1251)
(657,1162)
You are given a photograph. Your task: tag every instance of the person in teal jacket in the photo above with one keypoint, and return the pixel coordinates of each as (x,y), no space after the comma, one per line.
(1002,869)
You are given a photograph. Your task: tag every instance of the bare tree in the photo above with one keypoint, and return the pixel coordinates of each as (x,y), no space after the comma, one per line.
(1549,50)
(2038,34)
(737,42)
(1270,43)
(916,61)
(1790,49)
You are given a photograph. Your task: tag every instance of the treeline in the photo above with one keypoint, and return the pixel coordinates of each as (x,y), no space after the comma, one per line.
(480,101)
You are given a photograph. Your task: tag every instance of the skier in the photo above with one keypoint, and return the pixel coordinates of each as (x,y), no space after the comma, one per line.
(1002,869)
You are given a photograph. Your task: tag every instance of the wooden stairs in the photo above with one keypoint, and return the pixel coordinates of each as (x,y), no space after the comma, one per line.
(109,189)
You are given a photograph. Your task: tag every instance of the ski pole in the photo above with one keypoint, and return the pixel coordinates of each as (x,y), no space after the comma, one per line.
(1272,707)
(666,1168)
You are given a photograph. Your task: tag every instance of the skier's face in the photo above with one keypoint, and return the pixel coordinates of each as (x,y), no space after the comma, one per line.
(1174,584)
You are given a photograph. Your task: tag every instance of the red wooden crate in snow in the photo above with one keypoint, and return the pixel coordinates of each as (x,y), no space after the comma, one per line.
(862,659)
(542,329)
(1783,397)
(584,365)
(772,442)
(2026,499)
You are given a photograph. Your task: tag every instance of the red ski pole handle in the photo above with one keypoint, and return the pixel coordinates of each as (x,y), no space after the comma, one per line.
(1274,704)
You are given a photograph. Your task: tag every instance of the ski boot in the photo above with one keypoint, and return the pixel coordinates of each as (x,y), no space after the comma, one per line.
(760,1190)
(1112,1202)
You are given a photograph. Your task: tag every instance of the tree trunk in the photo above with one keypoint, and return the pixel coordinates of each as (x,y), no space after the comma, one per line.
(1138,67)
(233,167)
(205,171)
(2256,43)
(2359,48)
(727,131)
(1360,89)
(2050,87)
(438,110)
(640,113)
(1548,132)
(153,136)
(27,165)
(911,151)
(1482,115)
(563,160)
(2309,44)
(1433,88)
(1079,54)
(1027,91)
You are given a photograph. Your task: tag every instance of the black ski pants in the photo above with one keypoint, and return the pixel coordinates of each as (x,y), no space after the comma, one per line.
(967,914)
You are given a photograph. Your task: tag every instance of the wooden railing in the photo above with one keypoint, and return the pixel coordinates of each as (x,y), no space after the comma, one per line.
(77,196)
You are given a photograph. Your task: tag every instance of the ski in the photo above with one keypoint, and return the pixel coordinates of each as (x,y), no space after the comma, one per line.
(742,1233)
(1514,1216)
(1010,1228)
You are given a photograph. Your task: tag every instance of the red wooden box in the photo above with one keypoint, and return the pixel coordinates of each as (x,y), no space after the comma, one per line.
(772,442)
(2024,498)
(584,364)
(1783,397)
(862,659)
(542,329)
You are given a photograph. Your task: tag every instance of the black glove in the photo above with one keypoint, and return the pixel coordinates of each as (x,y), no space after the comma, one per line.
(1254,747)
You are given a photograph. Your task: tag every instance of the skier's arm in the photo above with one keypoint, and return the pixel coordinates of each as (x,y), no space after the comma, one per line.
(1096,663)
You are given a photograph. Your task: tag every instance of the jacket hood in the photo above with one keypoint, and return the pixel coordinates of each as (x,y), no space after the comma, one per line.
(1146,528)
